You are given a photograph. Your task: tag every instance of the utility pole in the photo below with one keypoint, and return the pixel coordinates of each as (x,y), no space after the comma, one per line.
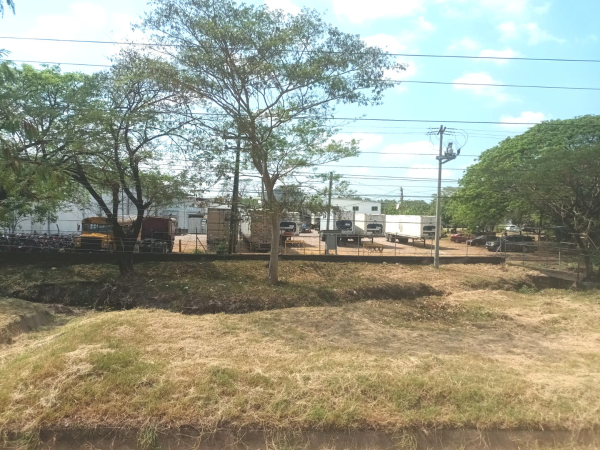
(233,224)
(329,200)
(442,158)
(401,200)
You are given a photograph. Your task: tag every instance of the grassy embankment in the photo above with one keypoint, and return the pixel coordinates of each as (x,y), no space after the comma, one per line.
(472,356)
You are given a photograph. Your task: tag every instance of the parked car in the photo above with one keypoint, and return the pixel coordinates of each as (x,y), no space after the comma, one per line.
(515,243)
(459,237)
(513,228)
(481,239)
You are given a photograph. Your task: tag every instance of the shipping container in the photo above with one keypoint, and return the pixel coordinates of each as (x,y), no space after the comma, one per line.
(218,225)
(402,228)
(256,230)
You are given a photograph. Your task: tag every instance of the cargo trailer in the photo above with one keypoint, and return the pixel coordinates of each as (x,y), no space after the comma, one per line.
(256,230)
(158,234)
(402,228)
(369,224)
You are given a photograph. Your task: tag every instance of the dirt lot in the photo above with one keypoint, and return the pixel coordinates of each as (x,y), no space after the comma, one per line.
(310,244)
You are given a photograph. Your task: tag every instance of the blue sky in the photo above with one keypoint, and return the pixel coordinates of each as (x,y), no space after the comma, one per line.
(523,28)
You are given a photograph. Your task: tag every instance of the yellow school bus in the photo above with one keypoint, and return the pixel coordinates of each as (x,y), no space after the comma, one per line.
(97,233)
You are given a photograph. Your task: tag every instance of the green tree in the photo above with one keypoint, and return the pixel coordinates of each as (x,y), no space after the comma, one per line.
(553,169)
(269,78)
(110,133)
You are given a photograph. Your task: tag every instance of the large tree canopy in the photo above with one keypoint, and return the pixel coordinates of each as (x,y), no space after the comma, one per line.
(553,169)
(270,79)
(110,133)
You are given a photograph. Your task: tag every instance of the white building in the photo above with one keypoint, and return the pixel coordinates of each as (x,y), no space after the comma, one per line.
(359,206)
(190,214)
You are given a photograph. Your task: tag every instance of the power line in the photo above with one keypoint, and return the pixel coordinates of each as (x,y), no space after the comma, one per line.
(452,83)
(418,55)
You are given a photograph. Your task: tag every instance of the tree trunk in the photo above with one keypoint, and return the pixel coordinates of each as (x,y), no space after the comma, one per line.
(274,258)
(125,261)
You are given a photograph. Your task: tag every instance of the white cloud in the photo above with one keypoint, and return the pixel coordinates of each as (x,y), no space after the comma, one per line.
(510,8)
(465,43)
(474,82)
(426,171)
(411,150)
(525,117)
(424,25)
(285,5)
(366,140)
(508,30)
(543,9)
(537,35)
(361,171)
(508,53)
(89,14)
(387,42)
(512,30)
(358,11)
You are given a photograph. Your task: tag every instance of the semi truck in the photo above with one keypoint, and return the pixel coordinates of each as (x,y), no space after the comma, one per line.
(402,228)
(256,230)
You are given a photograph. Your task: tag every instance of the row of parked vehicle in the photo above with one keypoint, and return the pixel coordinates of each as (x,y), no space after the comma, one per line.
(493,243)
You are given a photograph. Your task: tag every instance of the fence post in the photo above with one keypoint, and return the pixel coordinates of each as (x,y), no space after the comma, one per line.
(559,256)
(180,245)
(395,248)
(196,240)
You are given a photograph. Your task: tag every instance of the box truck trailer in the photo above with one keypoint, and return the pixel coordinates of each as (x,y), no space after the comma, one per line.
(369,224)
(344,225)
(402,228)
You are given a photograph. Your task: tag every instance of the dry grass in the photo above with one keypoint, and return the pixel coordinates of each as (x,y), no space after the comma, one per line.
(232,286)
(17,316)
(482,358)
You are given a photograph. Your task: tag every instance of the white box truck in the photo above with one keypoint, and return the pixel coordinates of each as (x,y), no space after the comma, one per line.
(344,225)
(369,224)
(402,228)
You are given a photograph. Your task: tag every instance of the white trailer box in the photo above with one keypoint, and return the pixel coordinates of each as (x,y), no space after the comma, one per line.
(337,216)
(369,224)
(403,228)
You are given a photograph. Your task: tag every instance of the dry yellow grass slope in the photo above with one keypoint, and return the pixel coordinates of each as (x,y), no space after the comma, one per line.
(487,359)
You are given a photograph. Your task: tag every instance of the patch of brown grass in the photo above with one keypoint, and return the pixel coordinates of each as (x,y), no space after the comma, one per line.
(482,359)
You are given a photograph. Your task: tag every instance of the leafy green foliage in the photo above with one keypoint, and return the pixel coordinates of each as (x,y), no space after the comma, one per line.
(268,78)
(552,170)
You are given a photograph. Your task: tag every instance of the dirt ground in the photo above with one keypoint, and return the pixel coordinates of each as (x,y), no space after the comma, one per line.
(310,244)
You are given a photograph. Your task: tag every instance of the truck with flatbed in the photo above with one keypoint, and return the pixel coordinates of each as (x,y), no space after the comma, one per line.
(402,228)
